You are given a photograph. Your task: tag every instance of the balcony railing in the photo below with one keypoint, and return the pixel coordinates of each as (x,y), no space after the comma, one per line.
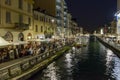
(21,26)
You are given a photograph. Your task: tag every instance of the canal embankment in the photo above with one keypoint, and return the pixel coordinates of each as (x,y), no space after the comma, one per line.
(115,49)
(93,62)
(23,68)
(41,65)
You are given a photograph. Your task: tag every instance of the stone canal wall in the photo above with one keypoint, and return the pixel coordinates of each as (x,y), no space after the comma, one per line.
(115,49)
(26,68)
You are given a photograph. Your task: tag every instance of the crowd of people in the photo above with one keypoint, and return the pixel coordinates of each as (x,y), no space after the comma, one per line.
(31,48)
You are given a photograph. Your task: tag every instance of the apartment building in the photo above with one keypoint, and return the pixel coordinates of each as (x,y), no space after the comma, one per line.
(57,8)
(118,18)
(44,25)
(16,19)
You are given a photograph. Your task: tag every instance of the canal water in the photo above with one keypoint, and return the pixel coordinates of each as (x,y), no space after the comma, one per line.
(94,62)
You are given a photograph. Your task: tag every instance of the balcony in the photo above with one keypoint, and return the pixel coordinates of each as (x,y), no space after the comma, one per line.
(22,26)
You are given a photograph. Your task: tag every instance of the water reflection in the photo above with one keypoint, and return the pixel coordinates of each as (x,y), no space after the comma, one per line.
(113,65)
(51,72)
(94,62)
(68,60)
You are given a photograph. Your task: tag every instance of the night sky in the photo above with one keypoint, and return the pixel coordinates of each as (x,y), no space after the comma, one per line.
(92,13)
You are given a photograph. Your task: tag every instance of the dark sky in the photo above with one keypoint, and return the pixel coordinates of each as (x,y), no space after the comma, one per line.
(92,13)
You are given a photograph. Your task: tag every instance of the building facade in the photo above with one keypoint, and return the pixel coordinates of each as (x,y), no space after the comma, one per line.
(44,25)
(113,27)
(20,21)
(118,5)
(60,17)
(68,31)
(74,28)
(118,18)
(16,19)
(57,8)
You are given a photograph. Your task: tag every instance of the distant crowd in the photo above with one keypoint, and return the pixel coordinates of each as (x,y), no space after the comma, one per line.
(31,48)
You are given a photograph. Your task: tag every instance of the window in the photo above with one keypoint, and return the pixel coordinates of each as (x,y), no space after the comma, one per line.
(45,19)
(35,16)
(29,21)
(8,17)
(40,18)
(49,20)
(8,36)
(20,18)
(36,28)
(29,7)
(8,2)
(41,28)
(46,28)
(20,4)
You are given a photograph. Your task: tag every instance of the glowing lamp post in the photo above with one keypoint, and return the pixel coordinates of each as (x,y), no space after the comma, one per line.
(52,21)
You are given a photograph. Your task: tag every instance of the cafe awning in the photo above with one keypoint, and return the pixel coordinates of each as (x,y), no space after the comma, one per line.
(3,42)
(19,42)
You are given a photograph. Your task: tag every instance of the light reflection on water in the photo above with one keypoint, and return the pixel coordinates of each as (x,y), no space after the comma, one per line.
(51,72)
(113,65)
(68,60)
(94,63)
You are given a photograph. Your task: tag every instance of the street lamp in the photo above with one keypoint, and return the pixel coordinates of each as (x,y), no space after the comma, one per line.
(52,21)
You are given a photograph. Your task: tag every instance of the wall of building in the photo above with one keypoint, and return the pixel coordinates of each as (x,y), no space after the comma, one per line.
(118,5)
(118,17)
(14,11)
(48,24)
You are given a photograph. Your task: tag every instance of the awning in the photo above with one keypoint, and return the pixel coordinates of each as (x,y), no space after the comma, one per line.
(34,40)
(3,42)
(19,42)
(40,40)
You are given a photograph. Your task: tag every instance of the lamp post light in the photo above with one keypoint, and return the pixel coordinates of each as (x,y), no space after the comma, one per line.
(53,28)
(52,20)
